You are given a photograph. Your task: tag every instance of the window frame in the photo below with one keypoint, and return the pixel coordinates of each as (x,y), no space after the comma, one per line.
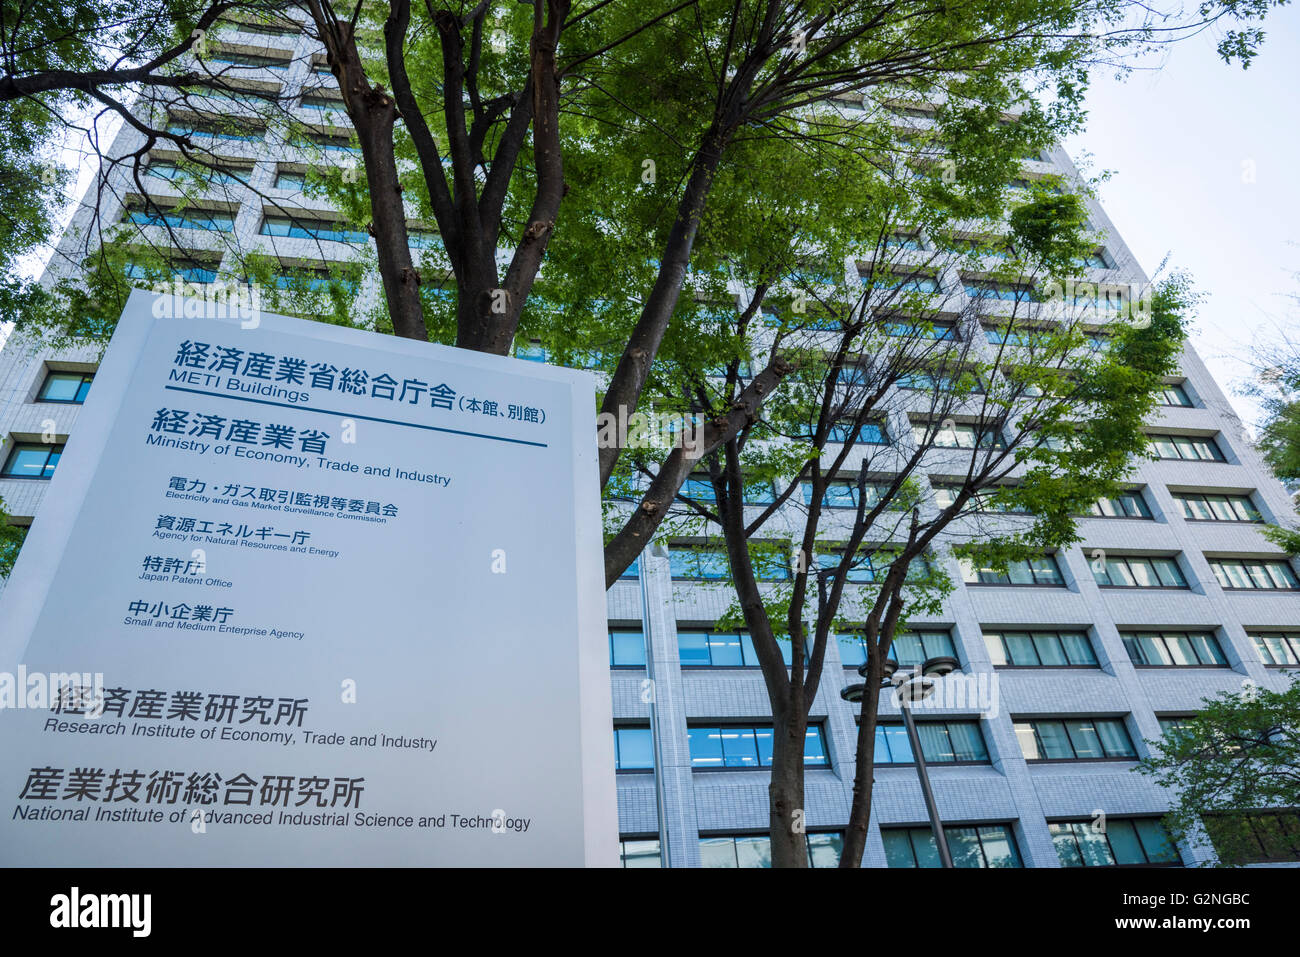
(734,836)
(1230,499)
(632,726)
(1289,639)
(1150,560)
(754,727)
(79,394)
(1033,724)
(929,760)
(51,449)
(625,839)
(743,639)
(1172,439)
(950,829)
(1073,823)
(1060,583)
(1001,636)
(987,439)
(614,665)
(1144,509)
(1179,389)
(1133,640)
(944,635)
(1262,563)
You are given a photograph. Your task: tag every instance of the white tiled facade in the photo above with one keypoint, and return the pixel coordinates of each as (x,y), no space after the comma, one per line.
(1008,789)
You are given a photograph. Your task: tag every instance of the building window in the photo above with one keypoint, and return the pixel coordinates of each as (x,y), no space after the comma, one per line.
(247,60)
(884,280)
(1212,507)
(700,489)
(872,565)
(626,649)
(942,742)
(1175,394)
(1253,573)
(1021,335)
(1192,448)
(755,850)
(1097,258)
(919,329)
(323,104)
(207,174)
(222,131)
(69,387)
(1040,649)
(966,382)
(869,433)
(700,563)
(188,269)
(1125,505)
(633,570)
(210,220)
(633,749)
(264,29)
(1121,842)
(748,746)
(1034,571)
(1171,724)
(1074,739)
(705,649)
(985,500)
(1011,292)
(1129,571)
(305,279)
(959,435)
(909,648)
(639,852)
(1167,649)
(843,493)
(31,460)
(1255,837)
(328,142)
(298,228)
(705,564)
(980,845)
(290,179)
(1276,648)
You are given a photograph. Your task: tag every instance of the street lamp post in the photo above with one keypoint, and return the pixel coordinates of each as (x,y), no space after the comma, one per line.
(915,684)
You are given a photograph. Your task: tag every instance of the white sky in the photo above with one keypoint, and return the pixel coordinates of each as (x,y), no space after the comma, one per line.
(1182,142)
(1205,163)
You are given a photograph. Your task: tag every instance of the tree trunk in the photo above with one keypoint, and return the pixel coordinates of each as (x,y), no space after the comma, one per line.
(787,821)
(855,835)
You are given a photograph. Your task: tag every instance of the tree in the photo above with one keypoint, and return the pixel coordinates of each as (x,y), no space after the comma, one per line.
(575,77)
(1030,431)
(59,64)
(469,84)
(1277,388)
(1227,767)
(11,540)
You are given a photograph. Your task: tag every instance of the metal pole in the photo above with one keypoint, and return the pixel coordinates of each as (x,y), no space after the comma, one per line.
(940,838)
(654,708)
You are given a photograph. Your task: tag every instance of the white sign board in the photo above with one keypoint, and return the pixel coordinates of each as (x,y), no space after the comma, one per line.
(345,593)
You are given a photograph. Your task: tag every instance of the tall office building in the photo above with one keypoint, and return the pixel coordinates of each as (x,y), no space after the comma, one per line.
(1079,661)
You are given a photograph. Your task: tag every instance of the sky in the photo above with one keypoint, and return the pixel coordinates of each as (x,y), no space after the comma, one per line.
(1203,158)
(1204,162)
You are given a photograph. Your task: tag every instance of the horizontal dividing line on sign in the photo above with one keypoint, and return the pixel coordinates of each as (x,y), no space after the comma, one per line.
(355,415)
